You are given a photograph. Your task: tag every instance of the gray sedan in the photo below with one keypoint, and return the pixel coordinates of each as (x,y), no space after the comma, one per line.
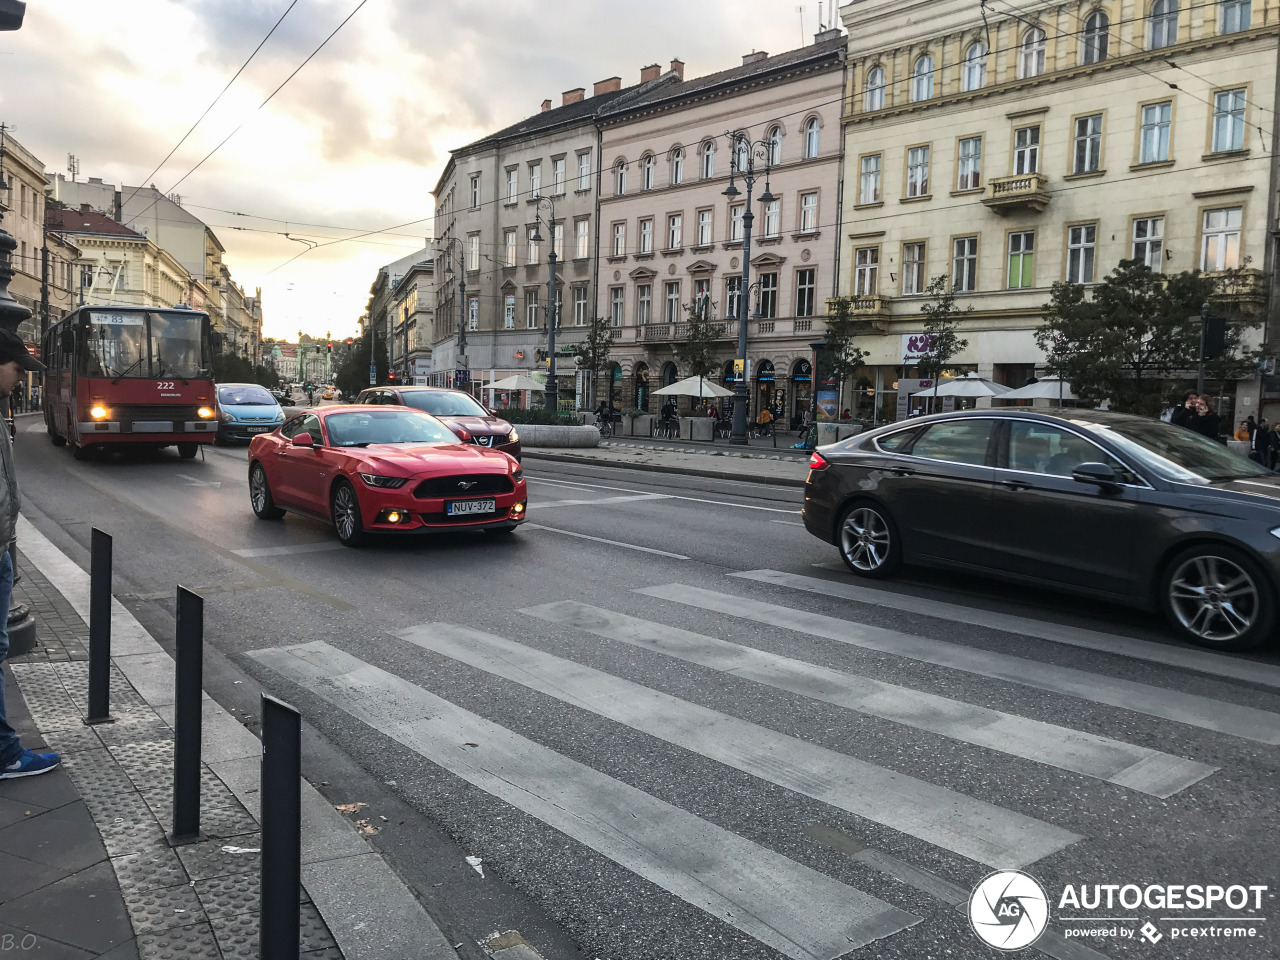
(1119,507)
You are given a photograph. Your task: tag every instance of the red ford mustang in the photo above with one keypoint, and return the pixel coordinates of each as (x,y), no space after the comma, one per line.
(383,469)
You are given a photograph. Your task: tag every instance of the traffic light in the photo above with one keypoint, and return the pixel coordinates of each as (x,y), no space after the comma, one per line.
(1215,337)
(391,375)
(330,346)
(350,341)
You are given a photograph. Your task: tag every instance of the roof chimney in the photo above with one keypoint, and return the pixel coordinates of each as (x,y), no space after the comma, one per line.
(677,67)
(607,86)
(546,105)
(828,34)
(573,96)
(651,72)
(755,56)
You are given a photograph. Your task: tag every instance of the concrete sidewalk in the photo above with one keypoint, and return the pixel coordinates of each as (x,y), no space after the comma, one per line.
(754,464)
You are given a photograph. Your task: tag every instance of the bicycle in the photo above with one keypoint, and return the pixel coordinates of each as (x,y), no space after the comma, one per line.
(605,426)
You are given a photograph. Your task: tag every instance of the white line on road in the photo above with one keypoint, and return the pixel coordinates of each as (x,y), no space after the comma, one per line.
(196,482)
(1202,661)
(612,543)
(672,496)
(602,501)
(1247,723)
(789,523)
(1103,758)
(320,546)
(799,912)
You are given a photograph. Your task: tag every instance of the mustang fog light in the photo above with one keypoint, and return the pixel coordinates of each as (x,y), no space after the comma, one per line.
(205,412)
(98,412)
(393,516)
(518,510)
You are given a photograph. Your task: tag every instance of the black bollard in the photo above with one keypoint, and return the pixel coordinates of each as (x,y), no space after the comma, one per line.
(281,800)
(189,688)
(100,628)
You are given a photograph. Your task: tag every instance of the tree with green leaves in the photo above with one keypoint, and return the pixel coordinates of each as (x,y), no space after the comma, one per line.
(842,357)
(593,352)
(1136,336)
(942,327)
(233,368)
(353,373)
(697,350)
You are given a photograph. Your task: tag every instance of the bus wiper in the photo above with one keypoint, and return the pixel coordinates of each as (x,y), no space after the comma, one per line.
(128,370)
(164,366)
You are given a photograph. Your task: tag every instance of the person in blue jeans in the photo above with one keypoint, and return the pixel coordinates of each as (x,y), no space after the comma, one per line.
(15,760)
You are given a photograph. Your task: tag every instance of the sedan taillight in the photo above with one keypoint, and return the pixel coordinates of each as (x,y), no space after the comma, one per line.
(817,461)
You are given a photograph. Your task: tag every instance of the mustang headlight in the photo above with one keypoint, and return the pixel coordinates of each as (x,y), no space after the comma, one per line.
(387,483)
(517,474)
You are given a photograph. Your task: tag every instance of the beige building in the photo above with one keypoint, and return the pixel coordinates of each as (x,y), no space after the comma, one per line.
(1047,142)
(411,312)
(669,238)
(125,267)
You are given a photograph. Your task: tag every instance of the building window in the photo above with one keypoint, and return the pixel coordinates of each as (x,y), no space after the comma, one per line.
(1031,55)
(1236,15)
(579,306)
(475,191)
(913,269)
(808,212)
(964,265)
(509,248)
(740,152)
(773,218)
(922,79)
(733,297)
(646,236)
(531,310)
(1022,260)
(970,164)
(1088,144)
(617,297)
(647,166)
(811,138)
(874,99)
(1097,29)
(533,246)
(974,75)
(704,228)
(557,175)
(473,313)
(768,296)
(557,239)
(619,178)
(1154,146)
(1148,242)
(702,297)
(584,171)
(1228,120)
(509,312)
(1164,23)
(775,146)
(918,172)
(806,287)
(535,179)
(677,166)
(675,231)
(708,160)
(1026,151)
(1080,247)
(473,252)
(513,185)
(869,191)
(619,239)
(736,213)
(1220,249)
(644,303)
(866,269)
(582,239)
(671,303)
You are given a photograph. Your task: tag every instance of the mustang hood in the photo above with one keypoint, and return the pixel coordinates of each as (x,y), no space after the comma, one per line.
(435,458)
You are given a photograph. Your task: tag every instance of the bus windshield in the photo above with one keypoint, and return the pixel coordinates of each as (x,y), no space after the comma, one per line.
(148,345)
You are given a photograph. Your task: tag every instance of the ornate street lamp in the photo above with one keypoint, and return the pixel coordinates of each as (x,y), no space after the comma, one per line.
(552,401)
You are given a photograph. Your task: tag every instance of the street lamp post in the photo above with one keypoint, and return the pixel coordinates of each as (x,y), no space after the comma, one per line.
(740,149)
(552,401)
(461,362)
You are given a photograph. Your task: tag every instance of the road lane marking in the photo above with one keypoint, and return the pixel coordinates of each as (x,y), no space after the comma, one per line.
(789,523)
(792,908)
(196,482)
(320,546)
(1207,714)
(600,502)
(612,543)
(1139,768)
(670,496)
(1202,661)
(945,818)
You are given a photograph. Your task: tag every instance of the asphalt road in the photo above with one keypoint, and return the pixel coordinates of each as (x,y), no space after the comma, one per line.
(657,757)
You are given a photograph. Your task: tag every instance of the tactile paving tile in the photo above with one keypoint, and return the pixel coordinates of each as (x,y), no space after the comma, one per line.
(123,835)
(163,908)
(313,933)
(126,732)
(206,859)
(181,943)
(331,953)
(237,936)
(230,895)
(148,870)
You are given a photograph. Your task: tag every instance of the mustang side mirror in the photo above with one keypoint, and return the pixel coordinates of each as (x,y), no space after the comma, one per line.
(1096,474)
(303,440)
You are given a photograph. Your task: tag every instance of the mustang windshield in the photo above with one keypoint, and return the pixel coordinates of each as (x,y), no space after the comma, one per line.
(145,345)
(385,426)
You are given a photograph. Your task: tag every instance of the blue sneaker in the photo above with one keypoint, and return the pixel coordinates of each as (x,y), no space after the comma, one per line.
(30,765)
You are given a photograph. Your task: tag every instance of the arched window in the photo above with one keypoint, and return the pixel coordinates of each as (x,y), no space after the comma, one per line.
(974,76)
(1164,23)
(646,172)
(677,166)
(669,374)
(620,178)
(775,146)
(875,89)
(1095,37)
(811,129)
(708,160)
(1031,56)
(922,79)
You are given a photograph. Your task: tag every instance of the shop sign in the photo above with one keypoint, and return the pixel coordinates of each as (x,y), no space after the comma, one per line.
(916,347)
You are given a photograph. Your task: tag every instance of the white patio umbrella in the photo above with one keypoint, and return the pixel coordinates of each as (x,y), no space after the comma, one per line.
(516,382)
(694,387)
(969,385)
(1046,388)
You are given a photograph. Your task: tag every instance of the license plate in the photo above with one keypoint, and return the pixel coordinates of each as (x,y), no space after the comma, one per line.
(259,429)
(462,508)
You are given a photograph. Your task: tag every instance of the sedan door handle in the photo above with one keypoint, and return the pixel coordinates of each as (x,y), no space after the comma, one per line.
(1015,484)
(901,472)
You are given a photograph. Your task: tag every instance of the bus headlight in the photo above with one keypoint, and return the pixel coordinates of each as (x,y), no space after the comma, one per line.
(98,412)
(205,413)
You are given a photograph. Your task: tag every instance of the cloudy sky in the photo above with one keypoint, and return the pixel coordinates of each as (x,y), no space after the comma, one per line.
(357,139)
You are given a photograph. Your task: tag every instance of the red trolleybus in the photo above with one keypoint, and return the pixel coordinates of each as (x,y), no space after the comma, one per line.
(129,376)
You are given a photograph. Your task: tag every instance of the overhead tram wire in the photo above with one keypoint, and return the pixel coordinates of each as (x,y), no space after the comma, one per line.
(147,178)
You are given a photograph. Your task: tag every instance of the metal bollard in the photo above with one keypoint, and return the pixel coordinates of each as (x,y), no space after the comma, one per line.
(189,688)
(100,628)
(281,802)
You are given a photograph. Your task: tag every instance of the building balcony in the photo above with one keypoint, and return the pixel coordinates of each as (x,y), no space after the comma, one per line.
(1028,191)
(872,309)
(677,332)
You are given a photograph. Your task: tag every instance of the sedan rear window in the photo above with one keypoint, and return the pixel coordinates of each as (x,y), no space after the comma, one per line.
(443,404)
(359,429)
(955,441)
(894,442)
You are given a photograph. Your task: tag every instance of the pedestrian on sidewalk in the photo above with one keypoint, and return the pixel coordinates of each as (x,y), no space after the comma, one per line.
(15,760)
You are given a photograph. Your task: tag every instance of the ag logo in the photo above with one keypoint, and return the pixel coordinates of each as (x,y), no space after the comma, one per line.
(1008,910)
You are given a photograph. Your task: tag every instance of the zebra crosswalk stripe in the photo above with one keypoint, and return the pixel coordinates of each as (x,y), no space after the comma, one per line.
(801,913)
(1139,768)
(972,828)
(1246,723)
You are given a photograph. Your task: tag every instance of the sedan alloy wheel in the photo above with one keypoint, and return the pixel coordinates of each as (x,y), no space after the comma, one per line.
(868,542)
(1216,597)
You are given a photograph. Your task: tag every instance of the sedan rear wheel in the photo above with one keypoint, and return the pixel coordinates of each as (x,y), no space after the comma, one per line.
(345,509)
(260,494)
(868,541)
(1216,596)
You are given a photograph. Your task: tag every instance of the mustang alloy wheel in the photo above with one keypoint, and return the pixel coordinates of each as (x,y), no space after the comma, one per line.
(345,509)
(1217,597)
(869,542)
(260,494)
